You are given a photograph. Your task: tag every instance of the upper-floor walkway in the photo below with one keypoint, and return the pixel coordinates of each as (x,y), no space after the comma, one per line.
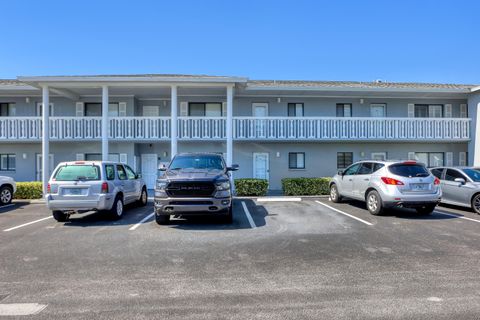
(294,129)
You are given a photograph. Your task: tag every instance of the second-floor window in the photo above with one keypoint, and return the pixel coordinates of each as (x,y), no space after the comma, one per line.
(7,109)
(296,160)
(295,110)
(344,109)
(95,109)
(428,111)
(209,109)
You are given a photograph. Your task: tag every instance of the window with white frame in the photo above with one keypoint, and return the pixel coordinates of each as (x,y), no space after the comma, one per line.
(379,156)
(430,159)
(344,109)
(296,160)
(295,110)
(428,111)
(8,162)
(95,109)
(202,109)
(344,159)
(7,109)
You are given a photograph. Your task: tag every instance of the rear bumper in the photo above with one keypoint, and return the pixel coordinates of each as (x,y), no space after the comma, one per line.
(173,206)
(409,204)
(103,202)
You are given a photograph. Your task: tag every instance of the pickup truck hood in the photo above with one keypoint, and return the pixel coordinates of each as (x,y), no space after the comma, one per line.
(194,174)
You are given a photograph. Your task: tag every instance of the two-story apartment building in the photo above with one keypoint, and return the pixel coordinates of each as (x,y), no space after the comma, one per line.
(272,129)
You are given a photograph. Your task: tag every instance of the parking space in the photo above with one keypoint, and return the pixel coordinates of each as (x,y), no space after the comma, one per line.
(294,256)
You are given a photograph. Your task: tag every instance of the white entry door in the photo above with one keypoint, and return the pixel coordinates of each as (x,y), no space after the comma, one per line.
(38,167)
(260,165)
(260,110)
(377,110)
(149,169)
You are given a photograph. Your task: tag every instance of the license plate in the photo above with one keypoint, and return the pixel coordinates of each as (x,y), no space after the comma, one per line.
(74,191)
(419,186)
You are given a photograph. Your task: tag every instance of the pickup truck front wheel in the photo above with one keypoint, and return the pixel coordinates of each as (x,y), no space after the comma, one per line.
(229,217)
(60,216)
(162,219)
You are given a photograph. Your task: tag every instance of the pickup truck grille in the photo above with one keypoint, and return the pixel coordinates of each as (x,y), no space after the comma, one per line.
(190,189)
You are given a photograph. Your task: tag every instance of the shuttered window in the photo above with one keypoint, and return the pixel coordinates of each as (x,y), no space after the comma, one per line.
(295,110)
(344,159)
(296,160)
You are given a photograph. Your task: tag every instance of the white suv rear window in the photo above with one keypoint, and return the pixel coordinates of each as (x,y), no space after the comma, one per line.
(77,172)
(409,170)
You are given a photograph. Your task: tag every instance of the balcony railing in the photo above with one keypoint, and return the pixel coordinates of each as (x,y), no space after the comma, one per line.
(244,128)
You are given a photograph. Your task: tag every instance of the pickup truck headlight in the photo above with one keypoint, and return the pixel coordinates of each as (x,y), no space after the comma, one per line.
(161,185)
(221,186)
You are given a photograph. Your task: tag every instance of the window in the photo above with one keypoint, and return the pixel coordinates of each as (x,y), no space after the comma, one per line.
(344,159)
(352,170)
(295,110)
(211,109)
(379,156)
(451,175)
(409,170)
(115,157)
(437,173)
(366,168)
(39,110)
(430,159)
(344,109)
(122,175)
(296,160)
(95,109)
(7,162)
(197,162)
(428,111)
(377,166)
(7,110)
(110,172)
(77,172)
(472,174)
(130,174)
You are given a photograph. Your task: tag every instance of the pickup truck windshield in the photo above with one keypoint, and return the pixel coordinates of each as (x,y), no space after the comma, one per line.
(211,162)
(77,172)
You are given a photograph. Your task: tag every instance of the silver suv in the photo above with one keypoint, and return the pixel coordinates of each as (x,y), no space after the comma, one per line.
(82,186)
(387,184)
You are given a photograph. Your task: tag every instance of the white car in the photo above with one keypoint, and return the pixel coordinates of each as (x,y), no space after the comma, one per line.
(7,189)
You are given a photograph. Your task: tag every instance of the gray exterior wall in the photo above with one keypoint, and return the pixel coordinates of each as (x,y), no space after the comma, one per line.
(474,114)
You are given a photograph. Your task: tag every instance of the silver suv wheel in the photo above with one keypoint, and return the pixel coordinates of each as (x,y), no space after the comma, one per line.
(5,196)
(372,202)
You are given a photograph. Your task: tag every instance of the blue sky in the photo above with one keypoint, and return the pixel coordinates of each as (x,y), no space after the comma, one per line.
(430,41)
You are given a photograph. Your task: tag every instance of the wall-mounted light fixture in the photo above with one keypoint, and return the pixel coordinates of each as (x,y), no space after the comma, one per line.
(278,154)
(279,100)
(361,101)
(164,103)
(362,154)
(27,100)
(24,156)
(165,154)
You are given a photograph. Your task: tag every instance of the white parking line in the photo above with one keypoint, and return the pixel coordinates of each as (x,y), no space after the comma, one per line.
(456,216)
(135,226)
(20,309)
(7,206)
(344,213)
(27,224)
(249,216)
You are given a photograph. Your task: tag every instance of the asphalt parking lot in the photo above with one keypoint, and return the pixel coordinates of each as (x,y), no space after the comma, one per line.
(279,259)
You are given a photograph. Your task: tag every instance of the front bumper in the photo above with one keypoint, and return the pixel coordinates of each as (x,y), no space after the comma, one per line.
(103,202)
(174,206)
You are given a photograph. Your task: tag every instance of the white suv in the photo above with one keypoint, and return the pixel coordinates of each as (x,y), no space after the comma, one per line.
(7,189)
(82,186)
(386,184)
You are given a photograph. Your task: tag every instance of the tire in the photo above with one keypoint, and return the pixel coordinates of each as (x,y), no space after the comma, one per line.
(117,209)
(334,195)
(426,210)
(229,216)
(476,203)
(60,216)
(6,195)
(162,219)
(142,202)
(374,203)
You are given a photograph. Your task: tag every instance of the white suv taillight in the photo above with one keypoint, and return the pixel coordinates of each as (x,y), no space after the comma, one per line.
(104,187)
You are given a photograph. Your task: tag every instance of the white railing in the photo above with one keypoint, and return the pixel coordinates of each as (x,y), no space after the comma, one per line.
(244,128)
(309,128)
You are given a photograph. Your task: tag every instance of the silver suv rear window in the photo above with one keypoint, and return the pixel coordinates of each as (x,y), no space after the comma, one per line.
(409,170)
(77,172)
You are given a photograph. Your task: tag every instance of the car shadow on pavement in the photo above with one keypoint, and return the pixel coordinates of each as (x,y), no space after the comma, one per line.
(213,223)
(13,206)
(99,219)
(444,206)
(402,213)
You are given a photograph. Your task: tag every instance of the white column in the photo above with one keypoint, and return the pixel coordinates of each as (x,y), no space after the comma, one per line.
(229,128)
(105,123)
(174,124)
(45,138)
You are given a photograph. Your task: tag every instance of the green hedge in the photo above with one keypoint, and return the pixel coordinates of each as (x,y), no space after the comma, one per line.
(305,186)
(28,190)
(251,187)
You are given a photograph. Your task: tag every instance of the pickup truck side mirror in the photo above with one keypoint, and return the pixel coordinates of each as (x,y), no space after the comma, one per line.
(234,167)
(460,180)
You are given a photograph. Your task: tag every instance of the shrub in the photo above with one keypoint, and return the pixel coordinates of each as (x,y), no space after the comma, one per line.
(305,186)
(251,187)
(29,190)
